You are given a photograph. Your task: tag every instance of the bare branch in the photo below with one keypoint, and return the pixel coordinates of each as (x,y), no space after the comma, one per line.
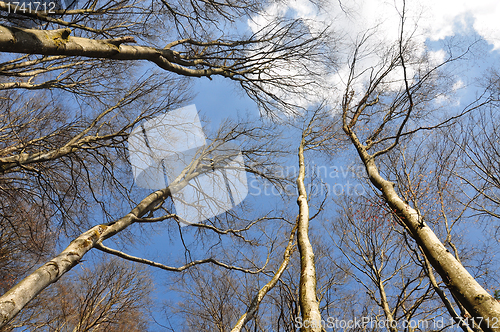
(123,255)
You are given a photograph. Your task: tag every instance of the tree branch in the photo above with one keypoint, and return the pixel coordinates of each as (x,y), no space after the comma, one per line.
(123,255)
(59,42)
(254,305)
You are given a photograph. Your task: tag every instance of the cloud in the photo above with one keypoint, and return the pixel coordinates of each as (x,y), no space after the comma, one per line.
(445,18)
(437,19)
(381,19)
(458,85)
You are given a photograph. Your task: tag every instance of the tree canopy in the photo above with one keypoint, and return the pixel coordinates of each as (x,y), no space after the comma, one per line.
(339,199)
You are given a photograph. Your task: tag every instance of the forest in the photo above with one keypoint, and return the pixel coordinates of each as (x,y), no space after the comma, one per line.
(244,165)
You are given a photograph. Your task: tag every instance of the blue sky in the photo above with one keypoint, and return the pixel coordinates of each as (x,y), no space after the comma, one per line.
(436,24)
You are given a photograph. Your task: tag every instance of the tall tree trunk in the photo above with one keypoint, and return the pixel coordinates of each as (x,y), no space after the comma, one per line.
(309,306)
(478,302)
(391,323)
(27,289)
(254,305)
(59,42)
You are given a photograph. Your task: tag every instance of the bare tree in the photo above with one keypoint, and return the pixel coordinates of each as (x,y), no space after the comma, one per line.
(104,30)
(75,82)
(66,158)
(308,301)
(371,245)
(392,117)
(477,147)
(108,297)
(143,214)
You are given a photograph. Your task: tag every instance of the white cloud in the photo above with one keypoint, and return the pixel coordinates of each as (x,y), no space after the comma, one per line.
(458,85)
(444,18)
(425,20)
(437,57)
(437,19)
(259,22)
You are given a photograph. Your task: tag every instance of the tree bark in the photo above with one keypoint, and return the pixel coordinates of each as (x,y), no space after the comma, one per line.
(254,306)
(309,306)
(59,42)
(18,296)
(478,302)
(392,324)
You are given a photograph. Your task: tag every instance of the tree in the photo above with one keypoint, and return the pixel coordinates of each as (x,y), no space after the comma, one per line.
(154,202)
(110,296)
(73,148)
(404,110)
(75,88)
(244,58)
(371,245)
(478,151)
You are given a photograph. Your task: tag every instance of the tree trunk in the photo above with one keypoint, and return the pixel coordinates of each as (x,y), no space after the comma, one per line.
(309,306)
(392,324)
(27,289)
(59,42)
(254,306)
(478,302)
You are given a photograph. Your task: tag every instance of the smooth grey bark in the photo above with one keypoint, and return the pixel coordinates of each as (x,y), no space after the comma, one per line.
(254,306)
(309,305)
(59,42)
(18,296)
(477,301)
(385,306)
(443,297)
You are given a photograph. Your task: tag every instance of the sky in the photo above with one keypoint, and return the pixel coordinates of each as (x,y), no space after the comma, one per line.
(432,24)
(435,22)
(437,19)
(431,21)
